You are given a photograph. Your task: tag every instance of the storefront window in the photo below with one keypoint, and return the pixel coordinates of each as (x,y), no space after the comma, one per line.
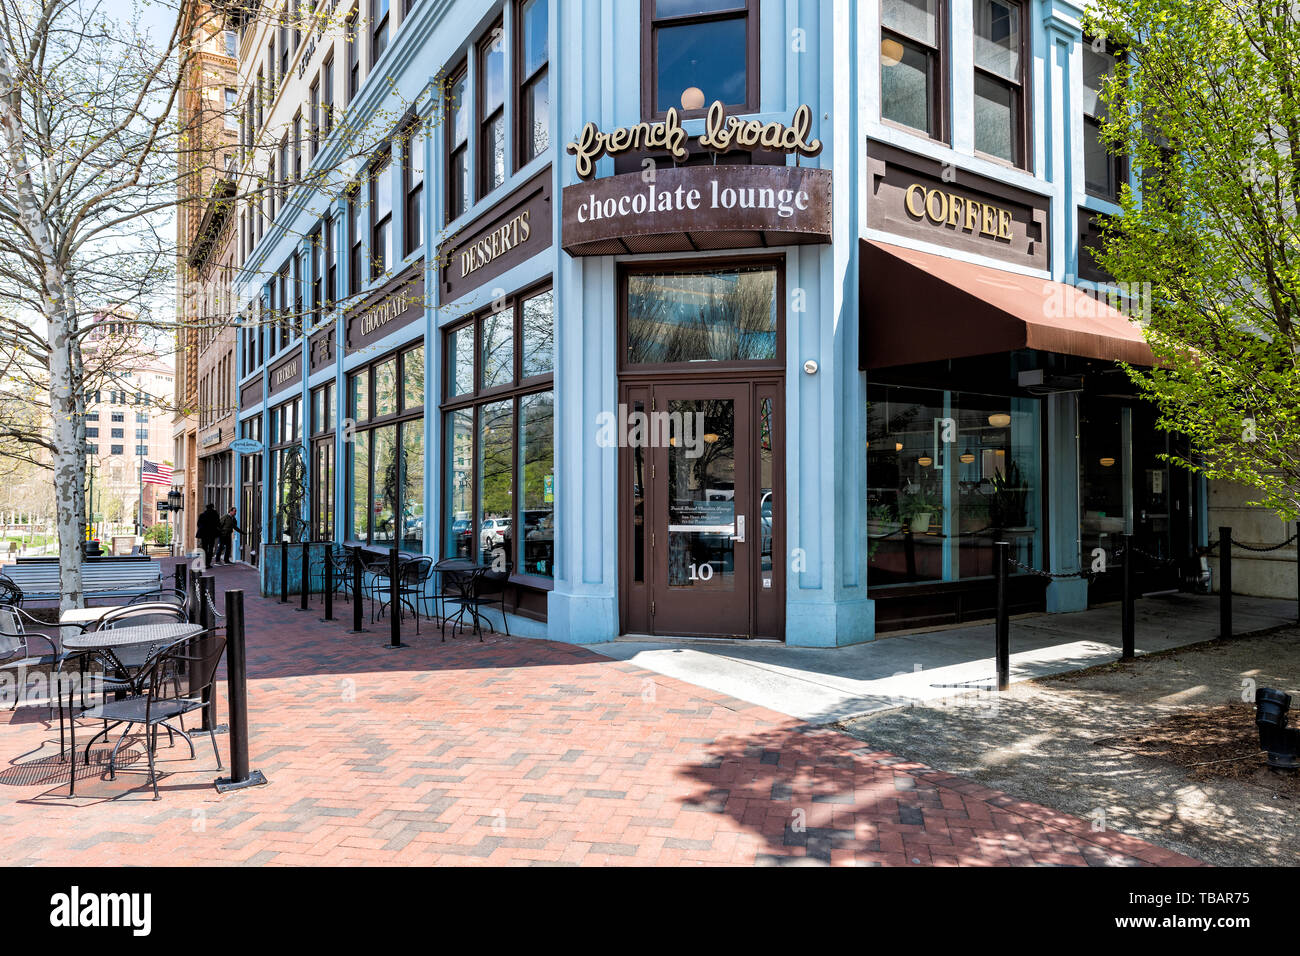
(948,474)
(724,315)
(386,460)
(288,471)
(322,462)
(499,476)
(250,479)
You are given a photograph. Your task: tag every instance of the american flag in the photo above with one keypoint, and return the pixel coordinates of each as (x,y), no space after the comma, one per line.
(153,473)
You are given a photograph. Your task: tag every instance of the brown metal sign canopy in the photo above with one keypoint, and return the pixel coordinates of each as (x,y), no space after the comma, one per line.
(919,307)
(689,208)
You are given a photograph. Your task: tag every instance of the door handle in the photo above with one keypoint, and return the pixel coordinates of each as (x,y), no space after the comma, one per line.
(739,536)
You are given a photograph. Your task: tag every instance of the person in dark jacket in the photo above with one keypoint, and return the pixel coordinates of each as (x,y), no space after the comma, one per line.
(229,526)
(207,530)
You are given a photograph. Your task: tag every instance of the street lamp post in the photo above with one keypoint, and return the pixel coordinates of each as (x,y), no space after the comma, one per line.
(175,505)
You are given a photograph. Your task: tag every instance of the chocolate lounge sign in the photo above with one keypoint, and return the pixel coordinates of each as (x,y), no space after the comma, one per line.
(690,207)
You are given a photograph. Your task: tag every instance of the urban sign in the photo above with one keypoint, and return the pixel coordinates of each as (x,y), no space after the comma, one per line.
(753,205)
(246,446)
(722,133)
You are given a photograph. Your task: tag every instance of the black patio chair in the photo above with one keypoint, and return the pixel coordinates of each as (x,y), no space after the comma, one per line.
(10,593)
(16,650)
(343,560)
(412,582)
(161,596)
(124,667)
(155,708)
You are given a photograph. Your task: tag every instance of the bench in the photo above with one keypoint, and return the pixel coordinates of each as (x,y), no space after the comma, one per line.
(102,579)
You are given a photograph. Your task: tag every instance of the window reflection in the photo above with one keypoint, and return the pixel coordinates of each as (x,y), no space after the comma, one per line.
(716,316)
(949,473)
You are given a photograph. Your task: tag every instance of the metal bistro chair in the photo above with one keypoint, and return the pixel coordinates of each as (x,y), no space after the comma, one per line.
(343,562)
(413,577)
(124,667)
(16,652)
(10,593)
(154,708)
(173,596)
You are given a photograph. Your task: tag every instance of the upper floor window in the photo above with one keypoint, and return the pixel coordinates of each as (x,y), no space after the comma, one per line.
(999,81)
(232,44)
(378,29)
(534,80)
(413,189)
(354,240)
(354,57)
(381,218)
(313,121)
(232,110)
(492,111)
(1103,171)
(327,97)
(457,114)
(699,51)
(912,64)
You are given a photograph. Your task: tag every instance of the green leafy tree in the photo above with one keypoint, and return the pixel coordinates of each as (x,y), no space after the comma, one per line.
(1206,104)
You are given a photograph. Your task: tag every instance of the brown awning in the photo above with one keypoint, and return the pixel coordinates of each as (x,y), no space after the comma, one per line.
(918,307)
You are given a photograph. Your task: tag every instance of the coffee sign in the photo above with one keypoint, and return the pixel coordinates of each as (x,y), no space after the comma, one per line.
(722,133)
(944,208)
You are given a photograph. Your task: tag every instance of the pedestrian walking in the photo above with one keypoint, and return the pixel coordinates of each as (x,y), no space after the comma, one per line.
(229,525)
(207,530)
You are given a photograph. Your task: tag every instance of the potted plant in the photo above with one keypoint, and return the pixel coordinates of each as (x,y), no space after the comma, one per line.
(917,509)
(882,520)
(1007,504)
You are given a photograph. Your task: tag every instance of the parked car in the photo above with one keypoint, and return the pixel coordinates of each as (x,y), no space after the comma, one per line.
(494,532)
(462,533)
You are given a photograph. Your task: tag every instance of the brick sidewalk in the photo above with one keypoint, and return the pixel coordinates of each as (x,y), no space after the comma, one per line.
(512,752)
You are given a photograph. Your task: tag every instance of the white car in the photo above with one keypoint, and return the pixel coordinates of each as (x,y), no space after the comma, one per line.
(494,531)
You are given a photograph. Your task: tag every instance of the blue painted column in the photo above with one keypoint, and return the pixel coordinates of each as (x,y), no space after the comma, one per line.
(826,432)
(582,608)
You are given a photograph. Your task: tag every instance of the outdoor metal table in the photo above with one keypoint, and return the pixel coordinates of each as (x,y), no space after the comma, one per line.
(86,615)
(80,645)
(460,576)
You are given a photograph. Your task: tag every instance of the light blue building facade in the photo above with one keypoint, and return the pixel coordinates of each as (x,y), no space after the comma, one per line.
(858,354)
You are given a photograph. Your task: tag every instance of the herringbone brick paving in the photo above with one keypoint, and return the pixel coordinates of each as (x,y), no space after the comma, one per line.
(518,752)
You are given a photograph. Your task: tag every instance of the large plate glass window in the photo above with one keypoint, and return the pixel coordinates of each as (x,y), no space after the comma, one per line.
(499,430)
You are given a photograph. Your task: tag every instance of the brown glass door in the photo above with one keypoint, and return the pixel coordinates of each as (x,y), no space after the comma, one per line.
(704,528)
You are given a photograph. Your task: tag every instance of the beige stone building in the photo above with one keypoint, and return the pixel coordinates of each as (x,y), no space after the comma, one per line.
(205,340)
(128,421)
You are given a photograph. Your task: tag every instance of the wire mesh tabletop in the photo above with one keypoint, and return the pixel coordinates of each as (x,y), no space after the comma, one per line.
(128,636)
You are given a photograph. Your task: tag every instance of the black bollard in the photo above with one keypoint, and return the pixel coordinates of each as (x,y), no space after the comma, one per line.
(1002,629)
(356,592)
(1128,612)
(1225,582)
(237,684)
(284,572)
(306,576)
(329,582)
(207,587)
(182,578)
(394,605)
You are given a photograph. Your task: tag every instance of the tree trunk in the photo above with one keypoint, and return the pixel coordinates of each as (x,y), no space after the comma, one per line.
(59,329)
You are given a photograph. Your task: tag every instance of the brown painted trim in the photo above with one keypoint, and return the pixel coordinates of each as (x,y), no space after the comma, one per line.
(408,287)
(320,350)
(286,373)
(532,201)
(890,170)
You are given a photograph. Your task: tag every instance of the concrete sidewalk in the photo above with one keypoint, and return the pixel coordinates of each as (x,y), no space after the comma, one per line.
(823,685)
